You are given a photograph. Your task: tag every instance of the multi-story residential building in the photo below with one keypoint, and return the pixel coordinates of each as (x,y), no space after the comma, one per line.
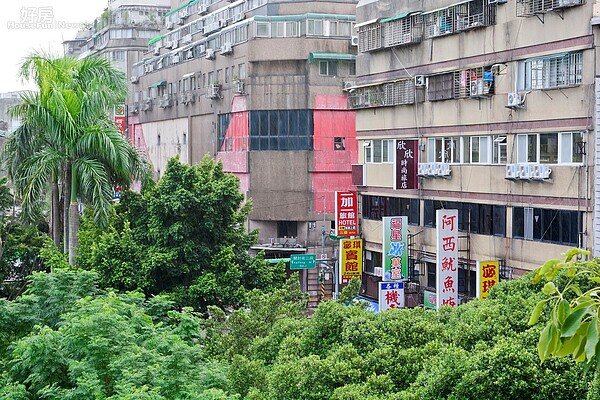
(257,84)
(8,123)
(121,33)
(496,99)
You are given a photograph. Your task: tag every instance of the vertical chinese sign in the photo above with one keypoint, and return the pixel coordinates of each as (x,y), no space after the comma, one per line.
(119,115)
(350,259)
(395,248)
(407,164)
(346,214)
(447,257)
(391,295)
(488,274)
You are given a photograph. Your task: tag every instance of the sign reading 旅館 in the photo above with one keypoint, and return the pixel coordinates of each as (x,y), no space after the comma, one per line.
(346,214)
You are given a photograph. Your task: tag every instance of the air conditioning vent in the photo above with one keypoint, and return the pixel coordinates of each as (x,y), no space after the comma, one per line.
(226,48)
(349,84)
(514,100)
(354,40)
(210,54)
(420,80)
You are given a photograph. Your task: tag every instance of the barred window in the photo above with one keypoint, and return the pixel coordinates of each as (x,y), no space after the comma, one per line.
(553,71)
(400,92)
(369,37)
(441,87)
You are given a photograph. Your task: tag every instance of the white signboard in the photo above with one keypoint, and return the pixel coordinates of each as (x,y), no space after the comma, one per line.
(447,257)
(391,295)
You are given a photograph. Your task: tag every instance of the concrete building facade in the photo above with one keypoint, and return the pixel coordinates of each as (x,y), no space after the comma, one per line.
(257,84)
(498,100)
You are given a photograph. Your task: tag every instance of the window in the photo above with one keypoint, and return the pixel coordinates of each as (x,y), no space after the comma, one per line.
(372,260)
(281,130)
(399,92)
(476,149)
(444,150)
(242,71)
(550,148)
(263,29)
(352,68)
(379,151)
(339,143)
(314,27)
(547,225)
(370,37)
(328,68)
(552,72)
(499,155)
(572,147)
(441,87)
(376,207)
(483,219)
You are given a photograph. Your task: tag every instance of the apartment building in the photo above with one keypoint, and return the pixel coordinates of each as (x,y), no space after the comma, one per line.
(484,106)
(121,33)
(257,84)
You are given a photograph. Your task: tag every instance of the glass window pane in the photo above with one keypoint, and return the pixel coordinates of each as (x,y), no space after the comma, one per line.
(548,148)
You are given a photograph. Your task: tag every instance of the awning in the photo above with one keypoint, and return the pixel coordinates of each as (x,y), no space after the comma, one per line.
(444,8)
(400,16)
(331,56)
(369,22)
(188,75)
(173,11)
(159,83)
(156,39)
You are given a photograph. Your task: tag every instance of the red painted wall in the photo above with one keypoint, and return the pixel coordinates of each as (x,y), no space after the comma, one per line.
(234,150)
(332,168)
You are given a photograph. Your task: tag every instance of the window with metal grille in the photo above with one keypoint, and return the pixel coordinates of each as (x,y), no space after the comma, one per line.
(441,87)
(526,8)
(403,31)
(400,92)
(553,71)
(370,37)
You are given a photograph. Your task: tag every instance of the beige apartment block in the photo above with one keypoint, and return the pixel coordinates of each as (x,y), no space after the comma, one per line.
(498,99)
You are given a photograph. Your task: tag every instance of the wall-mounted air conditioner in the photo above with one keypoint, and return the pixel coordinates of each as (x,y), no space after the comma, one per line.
(134,79)
(169,25)
(210,54)
(226,48)
(175,59)
(422,169)
(522,171)
(187,39)
(511,171)
(189,55)
(443,170)
(420,80)
(354,40)
(378,271)
(514,100)
(540,172)
(238,17)
(214,92)
(203,9)
(156,51)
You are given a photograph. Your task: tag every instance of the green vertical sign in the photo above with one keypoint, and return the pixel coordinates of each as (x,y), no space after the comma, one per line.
(429,299)
(303,261)
(395,248)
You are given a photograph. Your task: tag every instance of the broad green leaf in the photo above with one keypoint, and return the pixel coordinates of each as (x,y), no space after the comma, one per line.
(573,322)
(535,315)
(570,254)
(592,339)
(569,346)
(595,279)
(548,341)
(563,310)
(547,266)
(549,288)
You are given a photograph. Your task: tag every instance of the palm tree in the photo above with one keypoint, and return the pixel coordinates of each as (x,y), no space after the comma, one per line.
(68,140)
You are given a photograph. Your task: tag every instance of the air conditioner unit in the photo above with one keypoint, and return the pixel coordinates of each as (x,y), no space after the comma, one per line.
(539,172)
(226,48)
(511,171)
(214,92)
(189,55)
(222,23)
(523,171)
(378,271)
(476,88)
(147,106)
(156,51)
(175,59)
(180,21)
(183,13)
(209,28)
(422,169)
(187,39)
(169,25)
(210,54)
(419,80)
(238,86)
(354,40)
(349,84)
(189,98)
(166,96)
(203,9)
(134,79)
(443,170)
(514,100)
(238,17)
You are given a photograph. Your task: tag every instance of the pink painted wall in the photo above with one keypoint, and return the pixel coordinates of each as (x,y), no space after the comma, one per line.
(234,150)
(332,168)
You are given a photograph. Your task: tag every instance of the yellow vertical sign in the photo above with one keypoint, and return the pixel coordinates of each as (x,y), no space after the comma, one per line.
(488,274)
(350,259)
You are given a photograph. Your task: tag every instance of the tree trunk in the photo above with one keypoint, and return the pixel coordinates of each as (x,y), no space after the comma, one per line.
(55,212)
(66,198)
(73,230)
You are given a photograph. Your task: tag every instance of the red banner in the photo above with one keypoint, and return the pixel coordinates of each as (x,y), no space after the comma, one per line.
(346,214)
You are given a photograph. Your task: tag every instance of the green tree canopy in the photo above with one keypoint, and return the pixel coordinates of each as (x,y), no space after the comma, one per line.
(185,236)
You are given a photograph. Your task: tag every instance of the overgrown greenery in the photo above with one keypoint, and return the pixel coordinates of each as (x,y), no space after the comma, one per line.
(184,237)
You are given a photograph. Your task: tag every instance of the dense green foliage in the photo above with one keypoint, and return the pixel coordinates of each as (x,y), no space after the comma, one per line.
(184,237)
